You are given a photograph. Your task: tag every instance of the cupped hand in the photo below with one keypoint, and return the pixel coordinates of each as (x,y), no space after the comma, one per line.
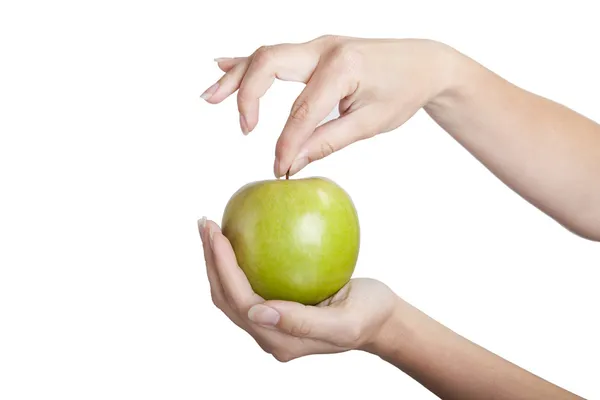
(377,84)
(351,319)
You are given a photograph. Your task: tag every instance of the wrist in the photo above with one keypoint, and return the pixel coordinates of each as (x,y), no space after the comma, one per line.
(394,334)
(455,72)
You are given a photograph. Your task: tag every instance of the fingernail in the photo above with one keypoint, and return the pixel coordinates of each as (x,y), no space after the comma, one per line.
(263,315)
(221,59)
(243,124)
(209,92)
(300,162)
(201,225)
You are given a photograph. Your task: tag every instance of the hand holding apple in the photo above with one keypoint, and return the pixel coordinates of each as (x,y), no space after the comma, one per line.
(351,319)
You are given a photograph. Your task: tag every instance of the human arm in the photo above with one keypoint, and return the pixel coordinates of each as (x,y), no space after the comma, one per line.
(544,151)
(450,365)
(366,315)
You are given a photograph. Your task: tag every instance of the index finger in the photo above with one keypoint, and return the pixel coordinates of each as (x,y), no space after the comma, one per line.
(320,96)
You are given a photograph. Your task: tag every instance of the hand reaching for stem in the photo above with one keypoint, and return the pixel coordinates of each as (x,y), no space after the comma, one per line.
(362,77)
(544,151)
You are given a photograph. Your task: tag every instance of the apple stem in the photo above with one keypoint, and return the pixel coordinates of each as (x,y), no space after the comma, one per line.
(287,175)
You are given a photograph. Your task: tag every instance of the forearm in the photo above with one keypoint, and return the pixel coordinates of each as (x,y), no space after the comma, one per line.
(451,366)
(544,151)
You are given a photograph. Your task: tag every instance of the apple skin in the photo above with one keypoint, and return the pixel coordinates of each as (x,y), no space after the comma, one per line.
(295,239)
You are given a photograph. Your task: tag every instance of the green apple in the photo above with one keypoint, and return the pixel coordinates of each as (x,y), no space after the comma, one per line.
(295,239)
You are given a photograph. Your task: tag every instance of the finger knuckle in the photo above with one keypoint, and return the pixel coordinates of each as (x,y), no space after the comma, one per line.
(354,336)
(238,307)
(346,58)
(328,38)
(263,55)
(265,347)
(300,111)
(326,149)
(343,52)
(283,356)
(216,299)
(301,329)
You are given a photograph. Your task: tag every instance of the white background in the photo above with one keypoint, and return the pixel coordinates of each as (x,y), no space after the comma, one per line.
(108,157)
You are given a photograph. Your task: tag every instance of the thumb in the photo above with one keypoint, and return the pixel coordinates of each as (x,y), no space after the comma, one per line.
(299,320)
(336,134)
